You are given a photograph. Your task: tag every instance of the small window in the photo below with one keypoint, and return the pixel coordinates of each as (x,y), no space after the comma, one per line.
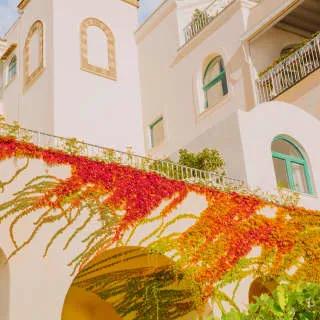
(157,133)
(12,69)
(290,166)
(214,82)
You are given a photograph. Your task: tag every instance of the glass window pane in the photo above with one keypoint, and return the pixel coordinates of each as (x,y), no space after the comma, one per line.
(212,72)
(281,173)
(299,177)
(284,147)
(214,94)
(12,70)
(157,133)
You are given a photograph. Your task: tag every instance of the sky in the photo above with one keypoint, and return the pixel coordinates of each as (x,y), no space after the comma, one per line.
(8,12)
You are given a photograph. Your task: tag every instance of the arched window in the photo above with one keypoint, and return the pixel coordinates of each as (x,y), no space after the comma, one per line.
(98,54)
(214,82)
(12,69)
(290,166)
(33,54)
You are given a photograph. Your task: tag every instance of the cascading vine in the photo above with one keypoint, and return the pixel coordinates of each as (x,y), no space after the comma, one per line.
(211,253)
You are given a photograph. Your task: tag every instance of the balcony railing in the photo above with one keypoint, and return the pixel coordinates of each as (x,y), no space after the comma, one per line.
(201,20)
(290,71)
(165,168)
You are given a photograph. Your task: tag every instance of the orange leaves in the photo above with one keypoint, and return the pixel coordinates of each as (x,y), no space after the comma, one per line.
(225,232)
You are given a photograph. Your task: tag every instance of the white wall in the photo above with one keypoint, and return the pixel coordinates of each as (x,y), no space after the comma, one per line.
(32,108)
(38,286)
(87,106)
(172,79)
(260,126)
(67,101)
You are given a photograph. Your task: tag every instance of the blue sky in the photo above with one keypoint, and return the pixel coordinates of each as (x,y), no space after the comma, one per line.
(8,12)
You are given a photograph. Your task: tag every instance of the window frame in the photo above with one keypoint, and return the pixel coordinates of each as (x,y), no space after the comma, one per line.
(29,78)
(151,126)
(289,160)
(221,77)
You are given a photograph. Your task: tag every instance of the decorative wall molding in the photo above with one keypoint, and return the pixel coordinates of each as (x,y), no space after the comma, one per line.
(110,71)
(30,78)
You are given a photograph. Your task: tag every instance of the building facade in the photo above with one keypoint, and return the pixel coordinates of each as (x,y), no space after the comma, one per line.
(228,61)
(66,53)
(240,76)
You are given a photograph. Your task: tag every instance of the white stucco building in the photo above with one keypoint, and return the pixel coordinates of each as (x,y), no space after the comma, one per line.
(241,76)
(180,80)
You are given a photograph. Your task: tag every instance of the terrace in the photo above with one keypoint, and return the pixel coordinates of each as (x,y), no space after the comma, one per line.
(287,49)
(202,18)
(289,70)
(165,168)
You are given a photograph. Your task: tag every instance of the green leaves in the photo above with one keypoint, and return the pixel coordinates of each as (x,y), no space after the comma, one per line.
(288,302)
(207,159)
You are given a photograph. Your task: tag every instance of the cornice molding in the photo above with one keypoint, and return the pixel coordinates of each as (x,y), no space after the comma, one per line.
(270,20)
(8,52)
(156,17)
(134,3)
(22,4)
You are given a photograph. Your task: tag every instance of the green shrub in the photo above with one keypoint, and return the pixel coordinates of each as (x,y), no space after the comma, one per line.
(207,159)
(288,302)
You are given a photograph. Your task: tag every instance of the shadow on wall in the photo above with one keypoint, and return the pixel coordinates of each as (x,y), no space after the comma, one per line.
(128,283)
(4,287)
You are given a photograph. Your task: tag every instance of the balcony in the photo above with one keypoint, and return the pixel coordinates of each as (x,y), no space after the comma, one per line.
(164,168)
(201,18)
(289,71)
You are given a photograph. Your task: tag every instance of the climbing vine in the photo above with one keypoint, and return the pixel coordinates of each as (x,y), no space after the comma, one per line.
(213,252)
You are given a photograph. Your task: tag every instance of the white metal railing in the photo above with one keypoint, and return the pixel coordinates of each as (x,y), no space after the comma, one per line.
(162,167)
(204,17)
(289,71)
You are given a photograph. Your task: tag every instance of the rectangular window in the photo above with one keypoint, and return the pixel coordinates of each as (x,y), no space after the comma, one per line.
(299,177)
(281,173)
(157,132)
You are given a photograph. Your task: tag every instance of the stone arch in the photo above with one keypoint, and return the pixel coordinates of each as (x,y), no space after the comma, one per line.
(4,286)
(125,283)
(30,76)
(110,70)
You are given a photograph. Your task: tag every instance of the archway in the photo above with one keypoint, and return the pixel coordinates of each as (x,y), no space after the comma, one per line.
(128,283)
(4,286)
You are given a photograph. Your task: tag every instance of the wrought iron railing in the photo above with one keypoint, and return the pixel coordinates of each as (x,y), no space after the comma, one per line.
(290,71)
(201,20)
(165,168)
